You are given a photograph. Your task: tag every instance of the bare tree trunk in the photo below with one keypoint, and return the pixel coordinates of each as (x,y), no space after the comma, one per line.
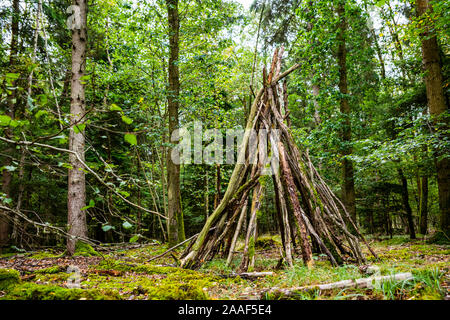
(76,193)
(10,111)
(424,206)
(175,223)
(438,108)
(348,183)
(405,199)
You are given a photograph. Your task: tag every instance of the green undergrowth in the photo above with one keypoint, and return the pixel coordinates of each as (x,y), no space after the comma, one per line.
(155,282)
(84,250)
(323,272)
(425,285)
(8,278)
(47,254)
(32,291)
(125,274)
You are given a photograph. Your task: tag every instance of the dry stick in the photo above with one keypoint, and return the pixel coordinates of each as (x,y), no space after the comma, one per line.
(87,168)
(173,248)
(230,223)
(241,219)
(316,212)
(291,189)
(192,257)
(236,233)
(281,200)
(355,247)
(250,239)
(350,237)
(43,225)
(235,181)
(287,175)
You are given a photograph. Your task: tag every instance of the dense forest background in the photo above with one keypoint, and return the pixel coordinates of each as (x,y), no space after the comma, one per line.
(369,103)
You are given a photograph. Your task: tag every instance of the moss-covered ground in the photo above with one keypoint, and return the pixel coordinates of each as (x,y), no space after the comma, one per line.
(126,274)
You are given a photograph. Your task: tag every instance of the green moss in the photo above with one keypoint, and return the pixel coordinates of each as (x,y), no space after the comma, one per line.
(46,254)
(32,291)
(158,283)
(267,242)
(84,250)
(8,278)
(51,270)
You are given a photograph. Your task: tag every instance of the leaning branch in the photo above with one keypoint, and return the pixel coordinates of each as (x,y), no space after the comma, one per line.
(27,143)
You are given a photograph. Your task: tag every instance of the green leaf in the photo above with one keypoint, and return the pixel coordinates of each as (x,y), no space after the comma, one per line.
(79,128)
(115,107)
(127,120)
(12,76)
(40,113)
(131,139)
(127,225)
(90,205)
(135,238)
(5,120)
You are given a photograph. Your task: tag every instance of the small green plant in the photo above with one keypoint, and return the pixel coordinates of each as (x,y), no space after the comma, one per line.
(84,250)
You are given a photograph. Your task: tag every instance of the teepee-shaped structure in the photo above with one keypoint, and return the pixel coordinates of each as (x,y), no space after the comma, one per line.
(307,209)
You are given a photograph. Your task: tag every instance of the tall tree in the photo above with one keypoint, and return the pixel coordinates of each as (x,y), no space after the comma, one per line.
(348,183)
(405,199)
(10,111)
(76,193)
(175,223)
(437,106)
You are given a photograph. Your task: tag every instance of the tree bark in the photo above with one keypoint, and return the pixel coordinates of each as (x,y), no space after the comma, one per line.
(218,182)
(293,197)
(438,109)
(348,183)
(10,111)
(76,193)
(175,223)
(405,199)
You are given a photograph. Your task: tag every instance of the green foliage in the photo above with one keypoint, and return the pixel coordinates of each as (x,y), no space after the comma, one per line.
(8,278)
(31,291)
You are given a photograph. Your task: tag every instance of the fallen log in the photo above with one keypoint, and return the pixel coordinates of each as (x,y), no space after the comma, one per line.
(362,283)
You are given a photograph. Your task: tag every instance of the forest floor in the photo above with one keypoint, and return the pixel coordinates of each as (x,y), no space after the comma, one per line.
(124,273)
